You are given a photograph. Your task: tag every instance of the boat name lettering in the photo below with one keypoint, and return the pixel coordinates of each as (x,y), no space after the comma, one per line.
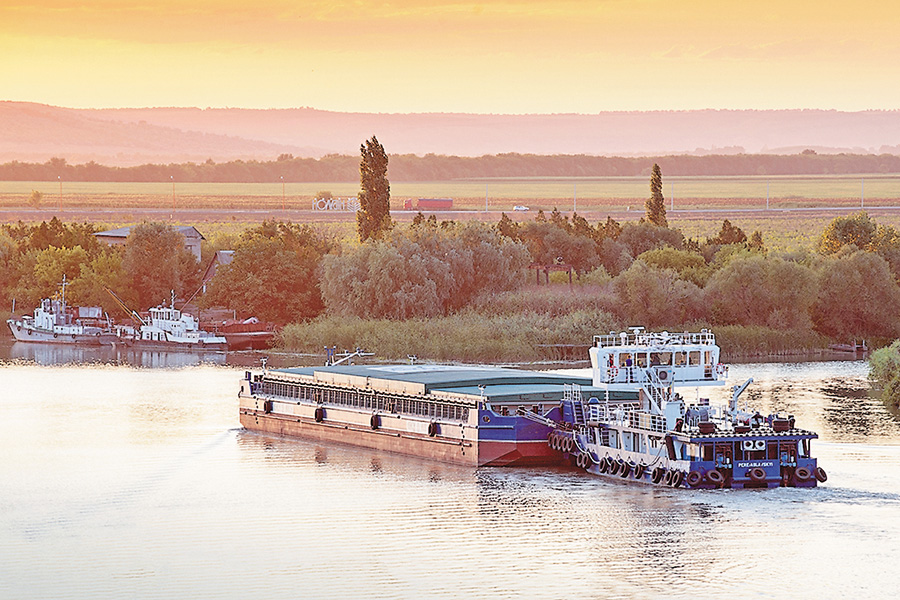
(751,464)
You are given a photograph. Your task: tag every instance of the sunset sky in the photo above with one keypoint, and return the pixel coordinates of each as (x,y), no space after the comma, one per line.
(515,56)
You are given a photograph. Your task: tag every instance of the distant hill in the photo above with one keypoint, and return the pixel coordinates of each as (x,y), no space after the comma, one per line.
(130,136)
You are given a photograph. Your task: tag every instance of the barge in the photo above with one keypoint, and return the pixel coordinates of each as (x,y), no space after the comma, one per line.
(625,421)
(457,414)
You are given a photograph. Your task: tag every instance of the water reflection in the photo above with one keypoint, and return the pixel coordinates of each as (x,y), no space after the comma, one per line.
(128,482)
(66,354)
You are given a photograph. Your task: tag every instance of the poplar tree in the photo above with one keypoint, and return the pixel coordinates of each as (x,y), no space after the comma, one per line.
(656,205)
(373,218)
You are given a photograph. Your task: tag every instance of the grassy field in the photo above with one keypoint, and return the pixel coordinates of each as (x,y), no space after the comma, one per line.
(682,193)
(799,207)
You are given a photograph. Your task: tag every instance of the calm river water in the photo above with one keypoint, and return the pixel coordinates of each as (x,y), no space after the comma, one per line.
(119,481)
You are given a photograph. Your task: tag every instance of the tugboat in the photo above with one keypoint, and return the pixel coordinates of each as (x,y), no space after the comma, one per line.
(635,427)
(168,328)
(55,322)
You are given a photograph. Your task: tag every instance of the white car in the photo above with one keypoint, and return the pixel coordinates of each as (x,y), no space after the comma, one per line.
(519,207)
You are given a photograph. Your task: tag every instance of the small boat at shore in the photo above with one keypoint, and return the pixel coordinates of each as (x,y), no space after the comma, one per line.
(168,328)
(55,322)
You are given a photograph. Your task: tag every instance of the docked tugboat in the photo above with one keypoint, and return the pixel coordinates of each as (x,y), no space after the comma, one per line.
(55,322)
(657,437)
(171,329)
(167,328)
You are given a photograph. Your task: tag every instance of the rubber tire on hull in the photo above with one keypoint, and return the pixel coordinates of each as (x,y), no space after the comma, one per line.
(601,465)
(638,470)
(803,474)
(320,414)
(694,478)
(821,475)
(757,475)
(624,469)
(657,475)
(667,479)
(715,477)
(677,478)
(375,422)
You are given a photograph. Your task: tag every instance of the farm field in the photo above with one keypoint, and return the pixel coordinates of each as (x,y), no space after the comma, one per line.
(682,193)
(798,207)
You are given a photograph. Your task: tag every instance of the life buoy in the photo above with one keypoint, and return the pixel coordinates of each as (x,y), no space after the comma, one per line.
(715,477)
(657,474)
(677,478)
(624,468)
(375,422)
(432,429)
(694,478)
(613,372)
(803,474)
(821,475)
(720,369)
(757,474)
(319,414)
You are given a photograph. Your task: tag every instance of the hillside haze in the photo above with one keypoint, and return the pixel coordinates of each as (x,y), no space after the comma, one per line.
(129,136)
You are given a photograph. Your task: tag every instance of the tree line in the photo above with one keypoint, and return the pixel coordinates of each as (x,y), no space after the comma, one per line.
(646,272)
(432,167)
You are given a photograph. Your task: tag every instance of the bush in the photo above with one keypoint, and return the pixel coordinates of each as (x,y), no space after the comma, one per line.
(422,272)
(884,371)
(465,337)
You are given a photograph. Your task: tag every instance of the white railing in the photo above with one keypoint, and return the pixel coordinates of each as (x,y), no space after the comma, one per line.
(652,340)
(623,417)
(683,374)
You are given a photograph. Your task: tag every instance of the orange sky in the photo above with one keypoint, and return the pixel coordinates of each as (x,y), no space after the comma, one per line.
(515,56)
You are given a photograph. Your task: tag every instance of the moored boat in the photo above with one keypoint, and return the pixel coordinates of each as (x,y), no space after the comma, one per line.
(55,322)
(168,328)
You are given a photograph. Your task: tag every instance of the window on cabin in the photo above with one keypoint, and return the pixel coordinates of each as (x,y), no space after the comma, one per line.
(694,357)
(661,358)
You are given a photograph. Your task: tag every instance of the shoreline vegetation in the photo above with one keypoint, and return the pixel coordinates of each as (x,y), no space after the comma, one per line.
(471,291)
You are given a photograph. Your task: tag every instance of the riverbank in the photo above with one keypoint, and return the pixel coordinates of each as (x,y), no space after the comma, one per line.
(523,338)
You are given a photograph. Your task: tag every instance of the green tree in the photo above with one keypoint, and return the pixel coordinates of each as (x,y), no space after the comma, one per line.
(655,206)
(640,237)
(421,272)
(158,262)
(274,274)
(35,198)
(858,298)
(857,230)
(754,290)
(728,234)
(653,297)
(373,218)
(41,272)
(105,271)
(690,266)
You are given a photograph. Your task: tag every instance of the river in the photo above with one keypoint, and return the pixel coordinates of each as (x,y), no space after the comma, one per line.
(133,479)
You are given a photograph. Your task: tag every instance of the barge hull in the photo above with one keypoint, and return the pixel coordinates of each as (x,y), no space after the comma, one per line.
(454,451)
